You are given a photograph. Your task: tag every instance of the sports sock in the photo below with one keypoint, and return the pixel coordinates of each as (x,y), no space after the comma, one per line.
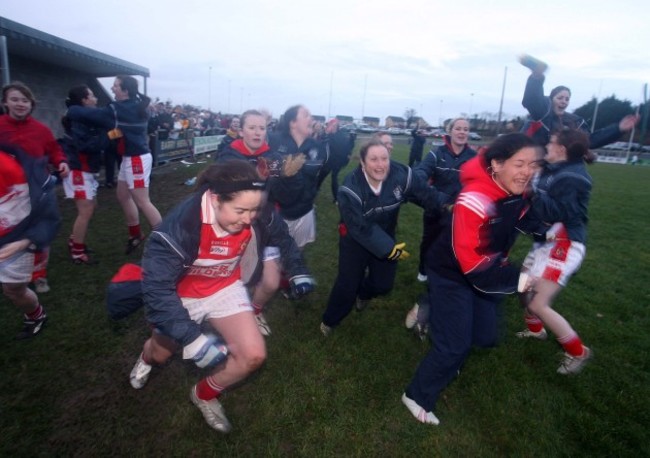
(572,344)
(208,389)
(134,231)
(37,313)
(533,323)
(78,249)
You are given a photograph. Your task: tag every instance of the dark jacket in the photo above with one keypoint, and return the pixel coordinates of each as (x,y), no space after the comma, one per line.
(124,115)
(562,195)
(43,222)
(371,219)
(295,195)
(83,145)
(267,162)
(442,169)
(543,120)
(173,248)
(473,248)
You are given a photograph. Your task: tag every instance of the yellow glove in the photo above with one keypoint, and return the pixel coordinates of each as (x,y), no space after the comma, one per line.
(292,164)
(398,253)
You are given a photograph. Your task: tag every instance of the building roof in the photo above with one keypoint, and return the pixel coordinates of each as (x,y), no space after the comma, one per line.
(33,44)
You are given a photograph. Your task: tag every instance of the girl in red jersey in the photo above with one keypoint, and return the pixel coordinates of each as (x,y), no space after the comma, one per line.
(195,268)
(19,128)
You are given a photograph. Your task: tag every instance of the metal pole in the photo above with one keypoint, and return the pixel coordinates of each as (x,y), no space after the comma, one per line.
(329,106)
(593,121)
(5,60)
(363,103)
(503,91)
(210,88)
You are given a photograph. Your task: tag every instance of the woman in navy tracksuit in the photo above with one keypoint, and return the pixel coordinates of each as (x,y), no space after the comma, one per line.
(548,114)
(467,266)
(295,195)
(127,121)
(369,203)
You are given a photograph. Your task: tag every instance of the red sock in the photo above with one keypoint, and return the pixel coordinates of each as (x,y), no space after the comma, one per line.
(78,249)
(207,389)
(572,344)
(36,313)
(134,231)
(257,309)
(533,323)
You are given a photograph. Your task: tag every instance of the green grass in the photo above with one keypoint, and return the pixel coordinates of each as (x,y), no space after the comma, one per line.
(66,393)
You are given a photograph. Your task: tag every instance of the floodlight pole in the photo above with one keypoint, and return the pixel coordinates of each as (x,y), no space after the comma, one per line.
(503,91)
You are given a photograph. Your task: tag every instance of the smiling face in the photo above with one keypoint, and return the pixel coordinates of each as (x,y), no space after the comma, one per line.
(459,133)
(120,94)
(561,102)
(253,132)
(17,104)
(235,215)
(514,173)
(376,164)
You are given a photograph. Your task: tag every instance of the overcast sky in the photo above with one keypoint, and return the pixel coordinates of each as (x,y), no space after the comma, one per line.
(370,58)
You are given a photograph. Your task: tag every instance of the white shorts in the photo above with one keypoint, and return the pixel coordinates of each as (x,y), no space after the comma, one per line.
(555,260)
(80,185)
(136,170)
(271,252)
(231,300)
(303,229)
(18,268)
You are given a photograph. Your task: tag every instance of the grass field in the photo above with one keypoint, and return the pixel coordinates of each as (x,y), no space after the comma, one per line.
(66,392)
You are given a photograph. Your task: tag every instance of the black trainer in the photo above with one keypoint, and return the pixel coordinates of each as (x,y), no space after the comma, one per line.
(32,327)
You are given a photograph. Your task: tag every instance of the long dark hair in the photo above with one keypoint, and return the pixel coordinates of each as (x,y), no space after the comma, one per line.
(284,126)
(76,95)
(130,85)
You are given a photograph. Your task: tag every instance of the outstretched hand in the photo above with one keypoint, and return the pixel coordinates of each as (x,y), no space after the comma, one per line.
(628,122)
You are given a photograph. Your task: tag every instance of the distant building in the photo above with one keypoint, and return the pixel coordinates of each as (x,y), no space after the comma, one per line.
(395,121)
(50,66)
(369,120)
(318,118)
(345,119)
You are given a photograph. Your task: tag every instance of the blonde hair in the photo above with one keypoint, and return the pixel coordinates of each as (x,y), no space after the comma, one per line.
(453,122)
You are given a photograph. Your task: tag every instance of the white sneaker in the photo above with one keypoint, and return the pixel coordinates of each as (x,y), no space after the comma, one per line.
(212,411)
(264,327)
(140,373)
(41,286)
(574,364)
(418,412)
(361,304)
(412,316)
(422,278)
(325,329)
(526,333)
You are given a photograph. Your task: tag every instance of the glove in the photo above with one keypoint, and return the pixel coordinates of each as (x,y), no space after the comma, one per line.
(398,253)
(114,134)
(301,285)
(292,164)
(206,351)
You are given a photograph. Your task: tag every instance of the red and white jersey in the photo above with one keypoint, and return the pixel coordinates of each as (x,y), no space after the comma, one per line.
(218,262)
(14,194)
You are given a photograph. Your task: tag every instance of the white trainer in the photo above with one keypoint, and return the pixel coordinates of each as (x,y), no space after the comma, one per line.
(574,364)
(412,316)
(262,324)
(527,333)
(41,286)
(422,278)
(212,411)
(140,373)
(325,329)
(418,412)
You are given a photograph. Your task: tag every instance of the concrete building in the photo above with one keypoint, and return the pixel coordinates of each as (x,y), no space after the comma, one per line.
(50,66)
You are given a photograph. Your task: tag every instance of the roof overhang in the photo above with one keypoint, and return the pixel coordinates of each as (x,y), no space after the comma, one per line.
(33,44)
